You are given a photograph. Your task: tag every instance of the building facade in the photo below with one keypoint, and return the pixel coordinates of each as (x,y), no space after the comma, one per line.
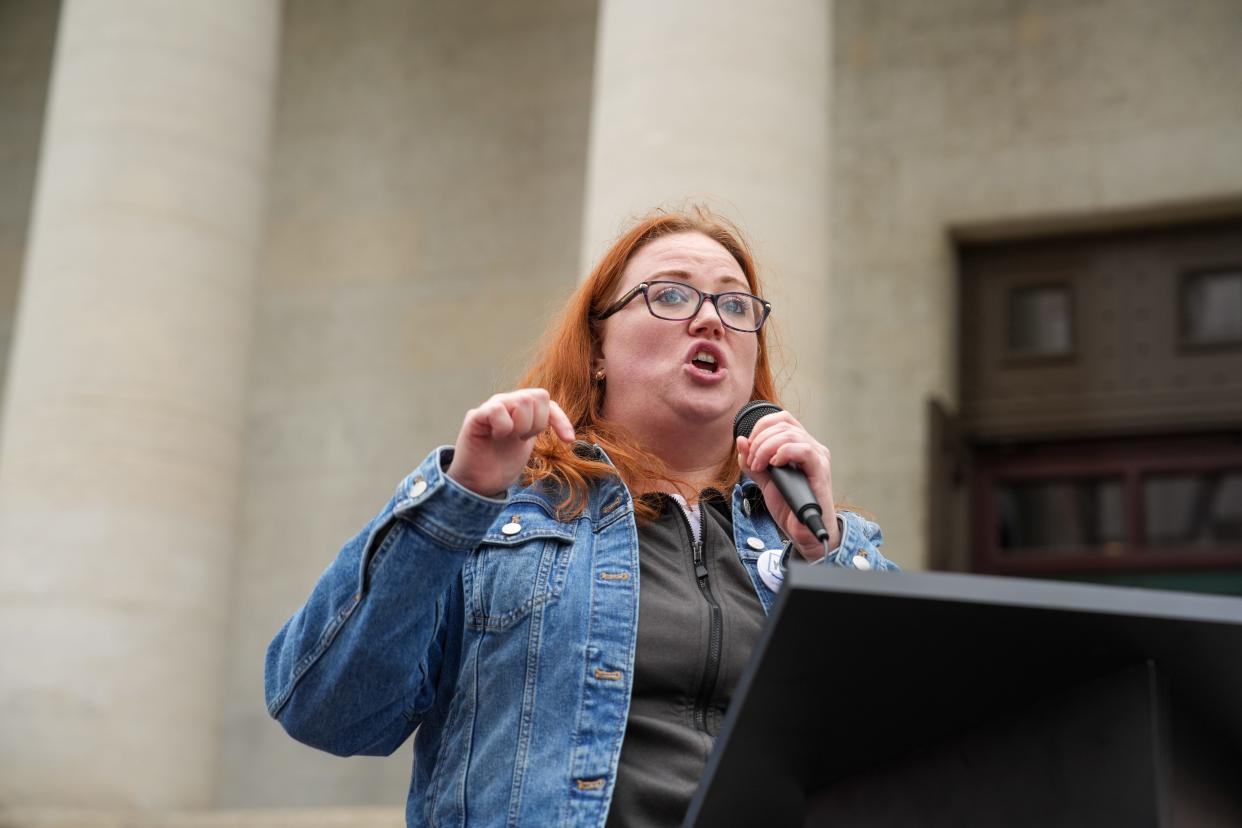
(256,259)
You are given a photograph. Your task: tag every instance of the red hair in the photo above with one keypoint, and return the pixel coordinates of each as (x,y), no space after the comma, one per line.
(563,367)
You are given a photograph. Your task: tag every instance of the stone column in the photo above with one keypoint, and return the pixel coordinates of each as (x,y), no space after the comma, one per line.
(122,432)
(724,102)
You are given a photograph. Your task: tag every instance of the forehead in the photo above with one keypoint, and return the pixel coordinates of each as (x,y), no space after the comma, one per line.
(696,256)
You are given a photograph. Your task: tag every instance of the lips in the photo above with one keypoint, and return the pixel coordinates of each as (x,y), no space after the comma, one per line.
(705,360)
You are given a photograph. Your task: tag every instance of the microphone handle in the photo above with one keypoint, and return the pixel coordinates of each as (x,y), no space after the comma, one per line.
(796,490)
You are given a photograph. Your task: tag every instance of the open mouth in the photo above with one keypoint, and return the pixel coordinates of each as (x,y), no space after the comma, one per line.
(705,362)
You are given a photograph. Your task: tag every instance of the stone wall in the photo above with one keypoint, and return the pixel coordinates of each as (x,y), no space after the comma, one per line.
(971,116)
(424,222)
(27,38)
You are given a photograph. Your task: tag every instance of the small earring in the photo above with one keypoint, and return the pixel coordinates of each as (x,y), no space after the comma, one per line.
(599,375)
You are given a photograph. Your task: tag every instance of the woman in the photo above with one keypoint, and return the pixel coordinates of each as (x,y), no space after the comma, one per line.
(494,604)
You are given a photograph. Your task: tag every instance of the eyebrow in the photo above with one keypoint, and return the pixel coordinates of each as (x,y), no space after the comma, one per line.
(684,275)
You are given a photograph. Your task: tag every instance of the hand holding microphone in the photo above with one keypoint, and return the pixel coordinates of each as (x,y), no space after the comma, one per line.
(795,473)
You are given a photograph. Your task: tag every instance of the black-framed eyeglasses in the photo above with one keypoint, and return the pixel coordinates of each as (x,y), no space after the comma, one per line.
(677,301)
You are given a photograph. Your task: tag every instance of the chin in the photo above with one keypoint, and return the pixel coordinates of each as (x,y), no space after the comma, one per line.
(708,408)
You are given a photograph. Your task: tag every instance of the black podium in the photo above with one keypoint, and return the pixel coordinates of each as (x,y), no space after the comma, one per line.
(921,699)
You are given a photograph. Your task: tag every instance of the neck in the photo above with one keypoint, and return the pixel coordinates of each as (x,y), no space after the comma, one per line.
(691,455)
(688,484)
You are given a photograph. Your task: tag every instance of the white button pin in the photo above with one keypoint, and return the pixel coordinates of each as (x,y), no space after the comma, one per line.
(418,487)
(861,562)
(511,528)
(770,570)
(754,543)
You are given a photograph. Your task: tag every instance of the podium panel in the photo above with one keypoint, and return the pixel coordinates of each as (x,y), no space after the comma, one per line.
(933,699)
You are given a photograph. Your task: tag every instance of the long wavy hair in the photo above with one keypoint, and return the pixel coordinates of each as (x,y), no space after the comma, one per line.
(563,366)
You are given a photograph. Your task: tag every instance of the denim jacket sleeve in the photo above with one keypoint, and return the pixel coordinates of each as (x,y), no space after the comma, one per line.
(860,545)
(353,670)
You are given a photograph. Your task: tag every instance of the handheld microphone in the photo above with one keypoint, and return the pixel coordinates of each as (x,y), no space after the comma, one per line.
(789,479)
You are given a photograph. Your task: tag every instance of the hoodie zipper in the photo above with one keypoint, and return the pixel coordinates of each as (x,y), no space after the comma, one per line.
(711,669)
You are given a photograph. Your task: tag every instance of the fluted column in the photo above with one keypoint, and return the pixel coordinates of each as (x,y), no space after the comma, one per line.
(122,432)
(725,102)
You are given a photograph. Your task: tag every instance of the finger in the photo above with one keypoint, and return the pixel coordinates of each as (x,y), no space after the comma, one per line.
(773,420)
(780,428)
(807,456)
(522,401)
(478,423)
(499,418)
(560,422)
(475,423)
(770,423)
(528,394)
(762,479)
(811,460)
(745,459)
(757,443)
(522,410)
(763,448)
(540,406)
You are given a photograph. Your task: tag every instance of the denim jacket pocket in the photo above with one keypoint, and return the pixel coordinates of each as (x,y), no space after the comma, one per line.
(520,564)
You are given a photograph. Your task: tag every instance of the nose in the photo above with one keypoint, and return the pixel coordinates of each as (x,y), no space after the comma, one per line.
(707,320)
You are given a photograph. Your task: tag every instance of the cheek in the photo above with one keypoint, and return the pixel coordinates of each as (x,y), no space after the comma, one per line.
(638,339)
(751,361)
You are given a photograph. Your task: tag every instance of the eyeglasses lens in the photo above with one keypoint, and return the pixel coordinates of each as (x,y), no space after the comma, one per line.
(675,301)
(740,310)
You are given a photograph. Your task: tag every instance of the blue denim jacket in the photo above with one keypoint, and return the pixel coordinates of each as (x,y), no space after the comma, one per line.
(504,635)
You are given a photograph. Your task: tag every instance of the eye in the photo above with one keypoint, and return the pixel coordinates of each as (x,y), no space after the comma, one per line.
(737,305)
(669,294)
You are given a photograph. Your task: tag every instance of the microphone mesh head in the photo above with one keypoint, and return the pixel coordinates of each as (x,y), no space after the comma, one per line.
(750,414)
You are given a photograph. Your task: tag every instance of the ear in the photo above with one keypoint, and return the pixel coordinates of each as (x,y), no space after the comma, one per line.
(597,356)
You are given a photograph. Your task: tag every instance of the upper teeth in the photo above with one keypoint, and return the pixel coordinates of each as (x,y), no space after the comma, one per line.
(705,356)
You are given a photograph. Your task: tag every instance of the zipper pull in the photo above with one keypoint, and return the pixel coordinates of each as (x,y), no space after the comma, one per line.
(700,569)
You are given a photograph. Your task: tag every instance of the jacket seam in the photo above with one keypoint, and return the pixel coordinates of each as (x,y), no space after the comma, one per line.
(307,661)
(448,538)
(554,557)
(616,515)
(436,784)
(379,544)
(530,696)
